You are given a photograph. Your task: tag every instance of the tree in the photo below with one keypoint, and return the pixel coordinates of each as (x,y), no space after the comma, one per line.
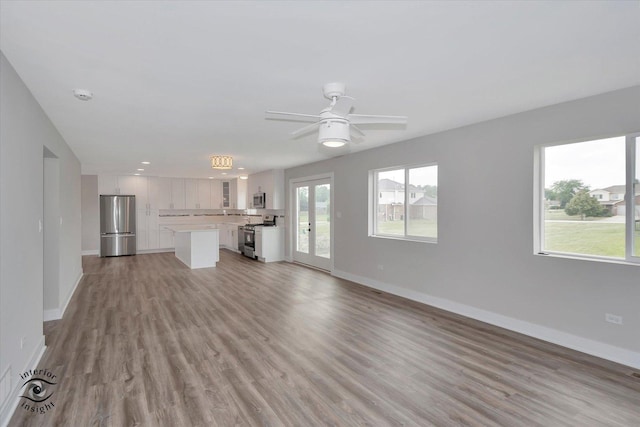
(564,190)
(584,205)
(429,190)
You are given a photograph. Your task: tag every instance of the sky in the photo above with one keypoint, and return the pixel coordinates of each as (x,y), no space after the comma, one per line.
(599,164)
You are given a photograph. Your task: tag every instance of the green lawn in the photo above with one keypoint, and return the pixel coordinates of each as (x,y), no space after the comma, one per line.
(589,238)
(416,227)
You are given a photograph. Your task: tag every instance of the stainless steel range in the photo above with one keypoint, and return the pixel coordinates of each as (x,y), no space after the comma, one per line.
(249,232)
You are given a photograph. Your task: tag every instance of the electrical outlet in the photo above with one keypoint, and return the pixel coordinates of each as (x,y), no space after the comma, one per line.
(612,318)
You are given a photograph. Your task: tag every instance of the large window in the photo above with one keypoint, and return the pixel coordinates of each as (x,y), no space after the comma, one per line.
(589,199)
(405,203)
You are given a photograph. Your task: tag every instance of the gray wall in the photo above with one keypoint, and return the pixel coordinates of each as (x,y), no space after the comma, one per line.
(483,265)
(25,131)
(90,214)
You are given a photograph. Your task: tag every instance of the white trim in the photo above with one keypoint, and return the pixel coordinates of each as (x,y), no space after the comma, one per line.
(584,345)
(6,412)
(90,252)
(57,313)
(51,314)
(155,251)
(71,292)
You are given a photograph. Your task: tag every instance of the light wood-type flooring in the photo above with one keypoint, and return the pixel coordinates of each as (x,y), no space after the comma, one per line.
(146,341)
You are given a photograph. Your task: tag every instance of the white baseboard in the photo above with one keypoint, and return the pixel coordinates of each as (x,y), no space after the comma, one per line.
(574,342)
(91,252)
(71,292)
(51,314)
(57,313)
(155,251)
(6,412)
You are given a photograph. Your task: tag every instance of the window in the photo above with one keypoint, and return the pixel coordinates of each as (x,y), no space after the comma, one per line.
(574,217)
(407,203)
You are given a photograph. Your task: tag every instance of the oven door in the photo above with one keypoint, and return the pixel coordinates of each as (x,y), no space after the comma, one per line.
(249,238)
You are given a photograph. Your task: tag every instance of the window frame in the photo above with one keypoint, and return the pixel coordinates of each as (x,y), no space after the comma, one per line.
(539,205)
(374,191)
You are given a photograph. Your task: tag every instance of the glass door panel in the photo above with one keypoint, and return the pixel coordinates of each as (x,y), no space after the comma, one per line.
(312,223)
(635,202)
(302,219)
(322,229)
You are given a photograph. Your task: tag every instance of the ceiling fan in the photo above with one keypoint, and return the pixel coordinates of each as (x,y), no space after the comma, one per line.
(335,123)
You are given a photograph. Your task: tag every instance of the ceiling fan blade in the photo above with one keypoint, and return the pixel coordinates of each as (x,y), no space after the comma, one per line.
(365,119)
(356,129)
(342,106)
(305,129)
(282,115)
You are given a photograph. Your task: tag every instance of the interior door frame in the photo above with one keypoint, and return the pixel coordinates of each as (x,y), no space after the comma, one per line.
(293,183)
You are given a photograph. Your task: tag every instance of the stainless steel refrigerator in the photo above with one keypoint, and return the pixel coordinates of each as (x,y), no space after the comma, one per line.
(117,225)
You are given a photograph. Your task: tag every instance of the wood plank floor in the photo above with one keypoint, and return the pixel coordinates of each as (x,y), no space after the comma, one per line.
(146,341)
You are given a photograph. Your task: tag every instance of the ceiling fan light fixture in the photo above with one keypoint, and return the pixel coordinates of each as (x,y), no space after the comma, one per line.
(221,162)
(334,133)
(333,143)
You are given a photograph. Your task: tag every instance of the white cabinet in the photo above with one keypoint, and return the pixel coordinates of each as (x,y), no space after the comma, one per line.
(178,198)
(233,235)
(170,193)
(164,193)
(108,184)
(241,194)
(226,194)
(166,238)
(147,230)
(197,193)
(191,193)
(216,194)
(204,194)
(269,243)
(269,182)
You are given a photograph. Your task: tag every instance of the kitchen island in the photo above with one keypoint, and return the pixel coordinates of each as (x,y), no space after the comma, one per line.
(197,246)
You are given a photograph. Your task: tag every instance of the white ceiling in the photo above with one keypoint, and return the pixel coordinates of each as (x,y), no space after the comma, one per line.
(175,82)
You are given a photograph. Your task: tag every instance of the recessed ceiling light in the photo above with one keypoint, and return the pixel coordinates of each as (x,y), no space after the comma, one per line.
(241,169)
(210,177)
(82,94)
(146,163)
(137,174)
(224,173)
(140,169)
(244,177)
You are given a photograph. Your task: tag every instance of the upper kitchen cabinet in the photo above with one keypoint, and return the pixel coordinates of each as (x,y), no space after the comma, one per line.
(108,184)
(226,194)
(198,193)
(271,183)
(241,194)
(138,186)
(171,193)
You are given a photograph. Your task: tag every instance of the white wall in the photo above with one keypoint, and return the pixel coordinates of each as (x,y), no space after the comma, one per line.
(51,235)
(90,214)
(24,132)
(483,264)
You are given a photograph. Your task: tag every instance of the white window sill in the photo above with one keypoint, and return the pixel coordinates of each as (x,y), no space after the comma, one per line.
(588,258)
(406,239)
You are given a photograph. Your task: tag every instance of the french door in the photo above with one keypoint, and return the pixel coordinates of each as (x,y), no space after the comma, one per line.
(312,222)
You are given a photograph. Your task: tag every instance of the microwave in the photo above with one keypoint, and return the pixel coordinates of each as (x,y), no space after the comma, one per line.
(259,201)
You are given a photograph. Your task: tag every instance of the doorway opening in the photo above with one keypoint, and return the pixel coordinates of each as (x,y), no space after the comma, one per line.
(51,236)
(312,230)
